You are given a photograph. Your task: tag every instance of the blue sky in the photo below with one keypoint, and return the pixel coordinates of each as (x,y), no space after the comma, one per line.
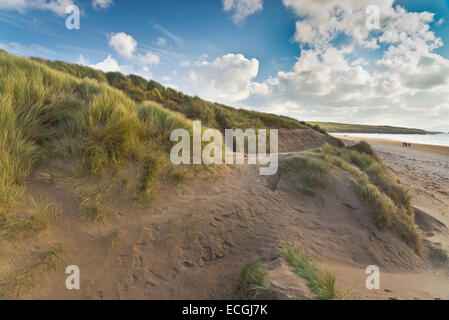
(291,57)
(203,27)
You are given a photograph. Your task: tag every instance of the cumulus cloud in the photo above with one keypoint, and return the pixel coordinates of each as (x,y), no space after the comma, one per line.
(149,59)
(108,65)
(408,85)
(126,46)
(112,65)
(227,78)
(123,44)
(242,8)
(404,83)
(56,6)
(321,21)
(103,4)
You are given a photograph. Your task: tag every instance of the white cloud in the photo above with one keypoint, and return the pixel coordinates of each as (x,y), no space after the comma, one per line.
(144,72)
(108,65)
(408,85)
(242,8)
(103,4)
(169,34)
(112,65)
(322,21)
(126,46)
(56,6)
(83,60)
(149,59)
(227,78)
(162,42)
(185,63)
(123,44)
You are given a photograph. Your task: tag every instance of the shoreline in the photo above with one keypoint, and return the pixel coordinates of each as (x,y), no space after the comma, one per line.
(442,150)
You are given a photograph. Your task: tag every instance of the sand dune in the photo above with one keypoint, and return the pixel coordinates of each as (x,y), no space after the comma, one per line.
(192,243)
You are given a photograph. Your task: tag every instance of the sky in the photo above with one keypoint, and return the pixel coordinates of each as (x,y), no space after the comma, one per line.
(312,60)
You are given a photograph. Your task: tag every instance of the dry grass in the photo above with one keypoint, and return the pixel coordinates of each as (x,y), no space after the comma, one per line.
(312,172)
(321,280)
(393,204)
(14,228)
(252,282)
(150,172)
(27,279)
(47,114)
(115,237)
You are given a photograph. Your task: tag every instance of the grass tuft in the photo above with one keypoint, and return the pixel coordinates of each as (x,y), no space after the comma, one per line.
(394,209)
(151,169)
(27,279)
(313,173)
(252,283)
(15,228)
(322,281)
(114,238)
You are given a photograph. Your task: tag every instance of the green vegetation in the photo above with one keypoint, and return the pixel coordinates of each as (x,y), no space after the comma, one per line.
(114,238)
(27,279)
(321,280)
(98,121)
(393,203)
(252,283)
(359,128)
(313,172)
(394,209)
(212,115)
(438,252)
(19,228)
(48,115)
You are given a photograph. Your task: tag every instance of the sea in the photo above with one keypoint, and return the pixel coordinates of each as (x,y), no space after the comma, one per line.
(431,139)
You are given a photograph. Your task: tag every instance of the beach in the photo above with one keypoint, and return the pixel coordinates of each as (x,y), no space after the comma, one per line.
(443,150)
(422,168)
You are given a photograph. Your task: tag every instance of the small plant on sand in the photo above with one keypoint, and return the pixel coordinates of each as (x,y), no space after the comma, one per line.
(438,252)
(313,172)
(322,281)
(46,177)
(178,175)
(92,205)
(252,283)
(25,280)
(15,228)
(151,169)
(114,238)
